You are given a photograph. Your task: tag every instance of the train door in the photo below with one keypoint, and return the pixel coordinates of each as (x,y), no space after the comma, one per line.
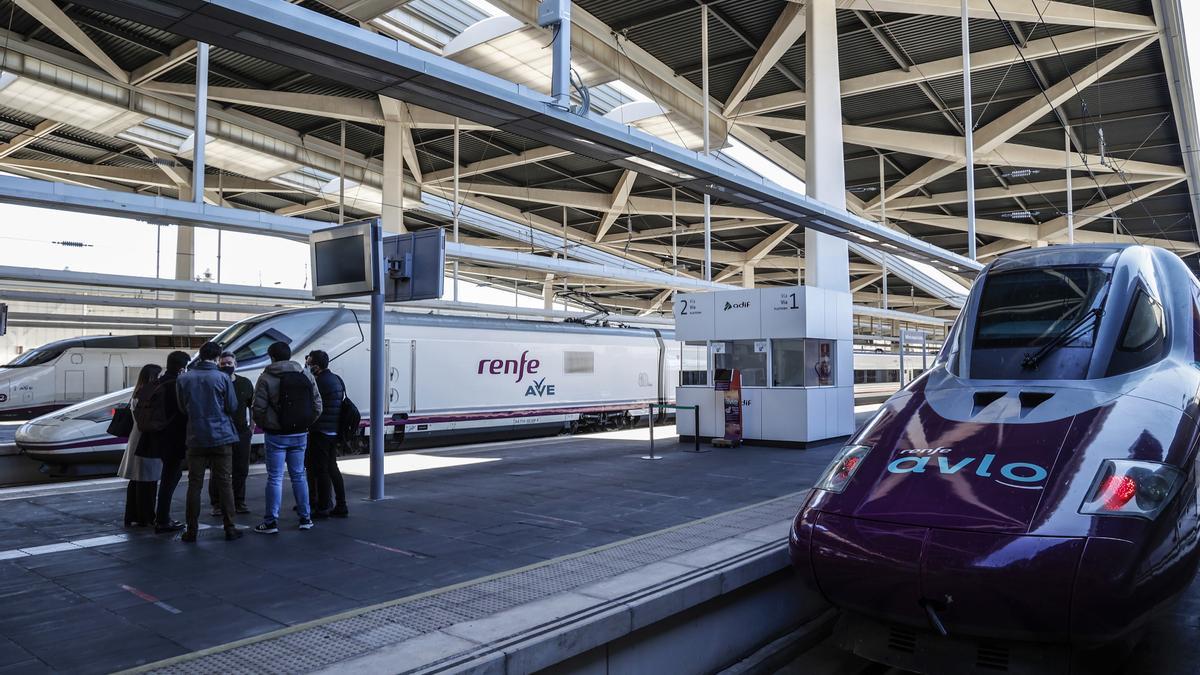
(400,355)
(114,374)
(73,385)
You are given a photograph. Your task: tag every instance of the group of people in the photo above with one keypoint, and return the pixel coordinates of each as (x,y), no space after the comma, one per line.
(203,417)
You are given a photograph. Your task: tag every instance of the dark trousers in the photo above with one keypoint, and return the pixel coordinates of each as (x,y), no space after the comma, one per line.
(219,460)
(241,469)
(324,476)
(140,501)
(172,471)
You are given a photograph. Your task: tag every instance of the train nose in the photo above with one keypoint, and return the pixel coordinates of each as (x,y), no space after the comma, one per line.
(1000,586)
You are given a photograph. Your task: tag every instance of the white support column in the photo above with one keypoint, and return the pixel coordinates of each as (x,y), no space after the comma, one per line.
(185,270)
(826,258)
(393,177)
(200,132)
(707,148)
(1070,194)
(748,276)
(968,126)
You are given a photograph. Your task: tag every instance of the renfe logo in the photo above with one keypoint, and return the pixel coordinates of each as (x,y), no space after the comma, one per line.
(918,459)
(511,366)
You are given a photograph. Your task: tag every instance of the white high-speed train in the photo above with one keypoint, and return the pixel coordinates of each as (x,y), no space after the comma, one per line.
(459,377)
(66,372)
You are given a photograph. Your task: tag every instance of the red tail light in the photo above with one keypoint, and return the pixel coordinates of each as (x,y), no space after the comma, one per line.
(1117,491)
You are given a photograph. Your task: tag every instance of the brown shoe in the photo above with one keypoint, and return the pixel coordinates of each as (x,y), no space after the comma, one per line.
(188,537)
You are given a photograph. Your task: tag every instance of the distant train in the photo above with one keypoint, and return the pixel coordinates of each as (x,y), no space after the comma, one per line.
(66,372)
(449,378)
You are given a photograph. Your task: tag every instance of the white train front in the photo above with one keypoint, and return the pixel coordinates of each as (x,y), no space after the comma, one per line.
(70,371)
(456,377)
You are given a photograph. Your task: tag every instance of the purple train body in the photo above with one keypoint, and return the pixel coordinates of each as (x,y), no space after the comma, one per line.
(1032,499)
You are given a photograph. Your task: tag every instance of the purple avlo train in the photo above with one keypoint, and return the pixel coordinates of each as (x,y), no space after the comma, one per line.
(1029,503)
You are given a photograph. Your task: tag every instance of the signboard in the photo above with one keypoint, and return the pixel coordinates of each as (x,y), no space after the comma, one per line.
(416,265)
(3,318)
(730,383)
(342,261)
(694,316)
(737,315)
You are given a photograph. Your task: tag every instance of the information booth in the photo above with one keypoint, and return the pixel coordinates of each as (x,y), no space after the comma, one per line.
(793,347)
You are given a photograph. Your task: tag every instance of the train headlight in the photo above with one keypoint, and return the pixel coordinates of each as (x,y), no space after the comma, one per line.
(1127,487)
(843,467)
(102,415)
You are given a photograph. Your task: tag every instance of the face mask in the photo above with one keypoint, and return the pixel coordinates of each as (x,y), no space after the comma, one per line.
(228,370)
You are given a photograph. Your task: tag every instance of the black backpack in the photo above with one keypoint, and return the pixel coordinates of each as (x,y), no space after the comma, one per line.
(349,417)
(151,413)
(295,410)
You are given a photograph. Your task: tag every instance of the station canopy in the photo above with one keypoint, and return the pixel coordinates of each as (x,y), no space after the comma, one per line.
(102,100)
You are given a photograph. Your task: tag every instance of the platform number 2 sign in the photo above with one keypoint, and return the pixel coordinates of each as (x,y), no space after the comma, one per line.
(687,307)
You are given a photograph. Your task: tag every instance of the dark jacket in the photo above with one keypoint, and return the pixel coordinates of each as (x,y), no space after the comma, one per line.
(170,444)
(333,392)
(266,395)
(207,396)
(244,389)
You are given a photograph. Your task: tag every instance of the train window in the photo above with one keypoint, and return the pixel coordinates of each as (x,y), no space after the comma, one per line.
(295,329)
(579,362)
(1143,338)
(741,355)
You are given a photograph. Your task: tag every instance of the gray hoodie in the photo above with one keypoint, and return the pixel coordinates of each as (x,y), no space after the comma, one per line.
(266,394)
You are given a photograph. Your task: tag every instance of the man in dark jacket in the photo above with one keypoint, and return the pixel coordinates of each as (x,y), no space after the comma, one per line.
(321,456)
(208,397)
(286,403)
(244,389)
(170,444)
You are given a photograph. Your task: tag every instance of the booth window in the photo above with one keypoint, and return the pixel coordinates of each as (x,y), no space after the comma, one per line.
(797,362)
(693,364)
(1142,338)
(742,356)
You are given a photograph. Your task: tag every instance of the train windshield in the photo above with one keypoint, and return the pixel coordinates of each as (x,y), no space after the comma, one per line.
(37,357)
(1038,323)
(249,340)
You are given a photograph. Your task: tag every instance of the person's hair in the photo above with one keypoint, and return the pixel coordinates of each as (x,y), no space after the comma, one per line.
(147,374)
(228,355)
(319,358)
(279,351)
(209,351)
(176,362)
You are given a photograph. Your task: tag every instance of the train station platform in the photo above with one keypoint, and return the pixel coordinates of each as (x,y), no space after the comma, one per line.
(477,550)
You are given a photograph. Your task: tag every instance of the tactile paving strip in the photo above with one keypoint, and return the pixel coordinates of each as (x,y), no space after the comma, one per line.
(329,642)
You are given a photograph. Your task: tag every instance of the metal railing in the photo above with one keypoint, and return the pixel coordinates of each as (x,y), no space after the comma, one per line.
(671,406)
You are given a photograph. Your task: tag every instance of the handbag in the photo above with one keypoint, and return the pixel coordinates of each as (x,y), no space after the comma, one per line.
(122,422)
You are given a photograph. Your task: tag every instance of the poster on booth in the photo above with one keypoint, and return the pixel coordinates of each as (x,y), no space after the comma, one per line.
(731,387)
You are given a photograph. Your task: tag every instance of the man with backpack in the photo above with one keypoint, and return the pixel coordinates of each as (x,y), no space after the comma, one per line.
(286,403)
(321,456)
(208,397)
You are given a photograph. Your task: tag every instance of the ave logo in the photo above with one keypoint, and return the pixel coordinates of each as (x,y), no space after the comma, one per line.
(539,388)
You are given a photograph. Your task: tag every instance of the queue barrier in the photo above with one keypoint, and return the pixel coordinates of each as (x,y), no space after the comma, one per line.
(672,406)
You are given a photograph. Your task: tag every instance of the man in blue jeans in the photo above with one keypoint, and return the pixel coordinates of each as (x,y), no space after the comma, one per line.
(286,403)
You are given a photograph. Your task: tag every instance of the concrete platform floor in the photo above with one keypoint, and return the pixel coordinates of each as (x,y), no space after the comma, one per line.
(80,594)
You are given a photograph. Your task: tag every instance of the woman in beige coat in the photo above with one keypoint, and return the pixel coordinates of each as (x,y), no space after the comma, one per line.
(142,472)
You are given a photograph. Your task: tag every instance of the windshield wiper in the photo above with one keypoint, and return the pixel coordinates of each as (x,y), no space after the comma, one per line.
(1069,334)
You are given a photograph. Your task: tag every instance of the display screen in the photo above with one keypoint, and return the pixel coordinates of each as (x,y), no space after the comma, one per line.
(341,261)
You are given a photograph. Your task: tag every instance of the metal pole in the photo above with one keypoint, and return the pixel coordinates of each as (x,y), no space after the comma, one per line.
(968,127)
(403,134)
(883,221)
(696,430)
(378,367)
(651,416)
(674,238)
(456,206)
(1070,194)
(560,77)
(342,179)
(707,148)
(901,357)
(201,124)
